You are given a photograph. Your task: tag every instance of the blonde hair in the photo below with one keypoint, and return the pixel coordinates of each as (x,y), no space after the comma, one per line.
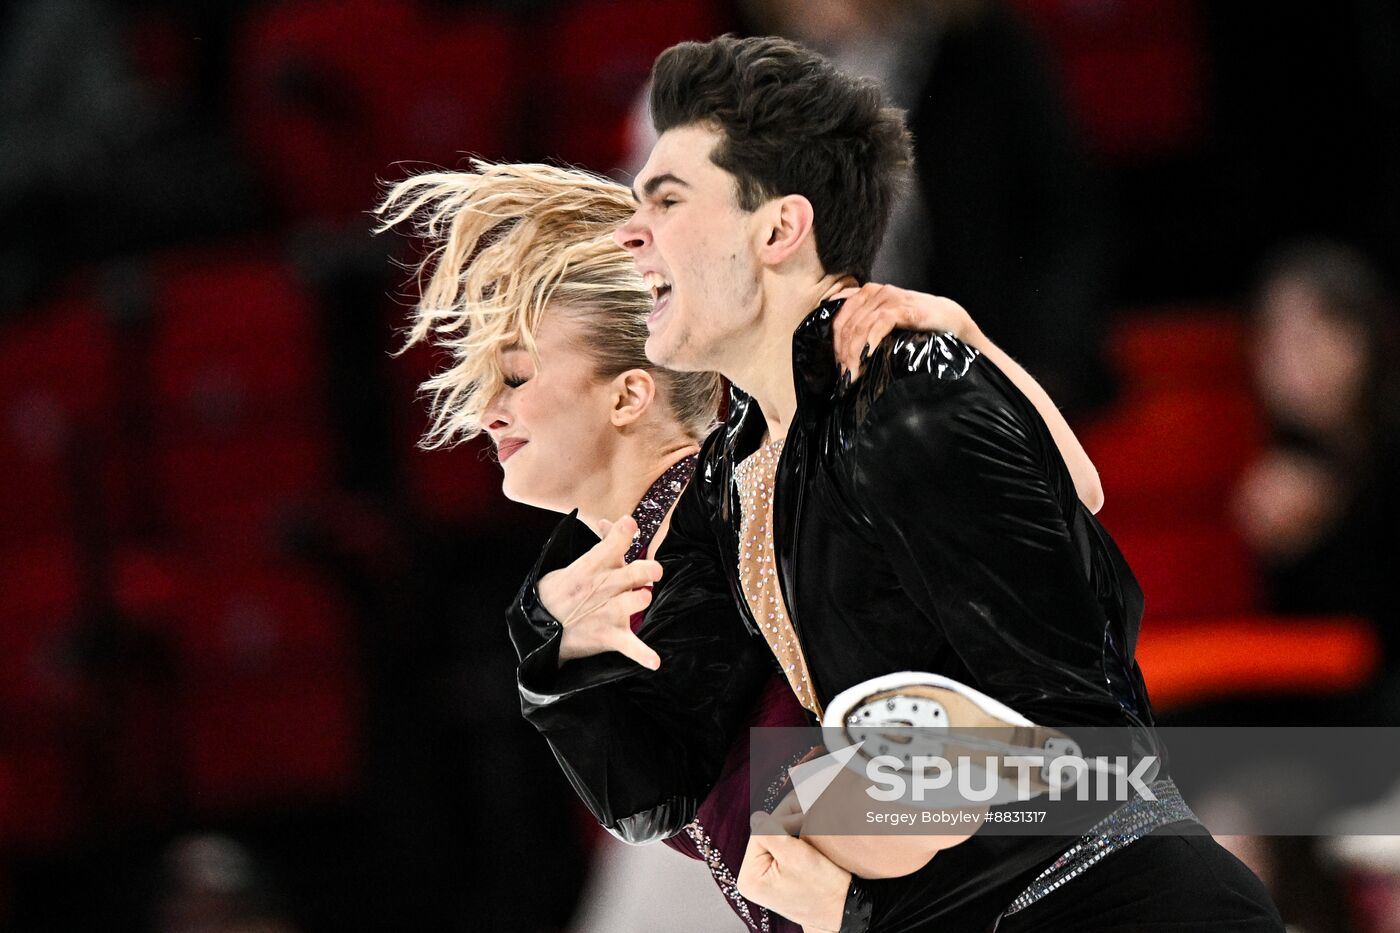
(506,243)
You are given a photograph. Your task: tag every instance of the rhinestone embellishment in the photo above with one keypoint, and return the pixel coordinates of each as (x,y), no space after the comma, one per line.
(657,501)
(725,878)
(755,478)
(1119,829)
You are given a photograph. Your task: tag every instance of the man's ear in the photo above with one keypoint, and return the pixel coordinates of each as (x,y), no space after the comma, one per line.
(786,224)
(632,394)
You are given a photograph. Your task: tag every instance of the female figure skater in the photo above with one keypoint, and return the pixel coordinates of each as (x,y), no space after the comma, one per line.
(545,319)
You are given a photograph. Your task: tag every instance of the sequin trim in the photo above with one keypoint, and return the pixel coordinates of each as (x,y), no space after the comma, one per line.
(725,878)
(774,793)
(657,501)
(1118,830)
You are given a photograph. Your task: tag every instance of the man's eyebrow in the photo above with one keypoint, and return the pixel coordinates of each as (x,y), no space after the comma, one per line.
(656,181)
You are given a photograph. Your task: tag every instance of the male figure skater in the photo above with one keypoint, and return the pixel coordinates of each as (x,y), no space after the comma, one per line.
(909,513)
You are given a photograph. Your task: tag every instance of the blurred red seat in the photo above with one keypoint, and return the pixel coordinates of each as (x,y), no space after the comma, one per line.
(1135,72)
(259,616)
(41,680)
(236,339)
(244,493)
(329,95)
(1170,453)
(136,661)
(1186,423)
(1189,570)
(39,798)
(44,695)
(57,418)
(1182,348)
(1173,455)
(269,697)
(238,436)
(267,685)
(1201,659)
(250,740)
(596,58)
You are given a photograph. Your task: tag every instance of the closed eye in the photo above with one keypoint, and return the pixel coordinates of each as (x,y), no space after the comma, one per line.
(514,382)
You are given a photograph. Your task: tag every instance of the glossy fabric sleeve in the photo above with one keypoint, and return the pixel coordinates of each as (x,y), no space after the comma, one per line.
(855,918)
(959,479)
(643,748)
(975,509)
(529,624)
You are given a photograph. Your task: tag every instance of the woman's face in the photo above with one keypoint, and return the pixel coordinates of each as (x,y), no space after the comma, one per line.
(551,426)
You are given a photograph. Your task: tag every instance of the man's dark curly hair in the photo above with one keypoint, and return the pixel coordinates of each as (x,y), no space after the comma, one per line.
(793,124)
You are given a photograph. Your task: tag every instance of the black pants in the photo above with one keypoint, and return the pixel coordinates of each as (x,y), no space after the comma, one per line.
(1168,881)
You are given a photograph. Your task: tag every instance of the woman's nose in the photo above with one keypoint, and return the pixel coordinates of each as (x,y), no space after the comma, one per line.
(495,415)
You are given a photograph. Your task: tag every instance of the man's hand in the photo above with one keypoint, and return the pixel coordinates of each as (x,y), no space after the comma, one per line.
(595,597)
(788,876)
(872,311)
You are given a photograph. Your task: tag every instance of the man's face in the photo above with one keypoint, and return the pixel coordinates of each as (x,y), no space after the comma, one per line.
(696,250)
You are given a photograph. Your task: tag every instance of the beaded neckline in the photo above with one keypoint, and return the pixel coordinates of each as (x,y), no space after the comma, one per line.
(657,501)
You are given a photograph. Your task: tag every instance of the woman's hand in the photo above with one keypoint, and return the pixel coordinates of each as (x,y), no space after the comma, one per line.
(872,311)
(595,597)
(790,877)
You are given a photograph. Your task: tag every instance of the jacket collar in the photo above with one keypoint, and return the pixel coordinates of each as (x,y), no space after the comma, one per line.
(814,370)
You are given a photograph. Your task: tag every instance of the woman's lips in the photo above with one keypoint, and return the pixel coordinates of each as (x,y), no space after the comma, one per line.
(507,449)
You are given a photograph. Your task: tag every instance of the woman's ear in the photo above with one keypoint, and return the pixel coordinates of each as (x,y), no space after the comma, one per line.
(632,395)
(786,226)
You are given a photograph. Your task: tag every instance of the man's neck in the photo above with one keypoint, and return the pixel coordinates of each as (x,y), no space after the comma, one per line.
(763,369)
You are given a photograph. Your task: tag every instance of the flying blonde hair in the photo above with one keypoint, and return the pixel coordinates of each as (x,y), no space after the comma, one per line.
(507,242)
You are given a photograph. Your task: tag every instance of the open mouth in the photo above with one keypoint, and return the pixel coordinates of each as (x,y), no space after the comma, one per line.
(662,297)
(660,294)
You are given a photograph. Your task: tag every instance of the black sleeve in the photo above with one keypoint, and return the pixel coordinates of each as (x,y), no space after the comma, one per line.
(856,916)
(961,482)
(964,486)
(642,748)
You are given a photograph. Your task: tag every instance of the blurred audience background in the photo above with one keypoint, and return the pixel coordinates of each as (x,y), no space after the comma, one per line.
(255,675)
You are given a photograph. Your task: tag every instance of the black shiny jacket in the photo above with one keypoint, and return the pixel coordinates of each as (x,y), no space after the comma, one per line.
(924,520)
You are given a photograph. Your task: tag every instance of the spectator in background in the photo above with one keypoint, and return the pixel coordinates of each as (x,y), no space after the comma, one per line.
(98,159)
(1318,510)
(1004,214)
(1370,864)
(213,885)
(1320,507)
(1373,882)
